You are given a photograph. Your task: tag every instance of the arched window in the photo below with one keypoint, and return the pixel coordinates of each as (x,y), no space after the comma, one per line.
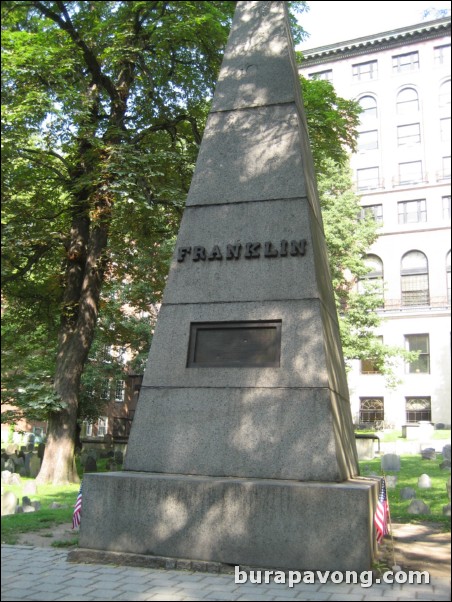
(374,276)
(369,107)
(448,276)
(407,101)
(444,94)
(414,275)
(371,409)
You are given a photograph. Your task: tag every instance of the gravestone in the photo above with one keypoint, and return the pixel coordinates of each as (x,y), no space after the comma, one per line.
(35,466)
(446,452)
(30,488)
(9,503)
(390,462)
(391,481)
(418,507)
(407,493)
(9,465)
(242,448)
(428,453)
(90,464)
(424,482)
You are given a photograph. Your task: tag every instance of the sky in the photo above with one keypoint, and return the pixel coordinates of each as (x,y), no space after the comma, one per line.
(330,22)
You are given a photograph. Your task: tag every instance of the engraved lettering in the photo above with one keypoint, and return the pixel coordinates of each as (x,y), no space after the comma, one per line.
(252,250)
(269,250)
(182,252)
(199,253)
(283,250)
(297,247)
(233,251)
(215,254)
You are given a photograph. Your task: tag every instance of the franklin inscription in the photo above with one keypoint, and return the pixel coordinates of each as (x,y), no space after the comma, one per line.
(248,250)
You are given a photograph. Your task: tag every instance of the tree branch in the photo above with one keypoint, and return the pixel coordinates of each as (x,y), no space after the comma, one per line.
(169,126)
(90,58)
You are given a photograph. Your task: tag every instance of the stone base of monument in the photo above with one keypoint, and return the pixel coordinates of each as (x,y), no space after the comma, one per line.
(264,523)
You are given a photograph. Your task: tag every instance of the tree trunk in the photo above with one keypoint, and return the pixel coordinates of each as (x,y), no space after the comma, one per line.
(84,276)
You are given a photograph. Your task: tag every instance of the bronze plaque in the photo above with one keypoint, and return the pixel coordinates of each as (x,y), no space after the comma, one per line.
(235,344)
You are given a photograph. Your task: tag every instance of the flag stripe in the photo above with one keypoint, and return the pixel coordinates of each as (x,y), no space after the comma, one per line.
(382,513)
(76,517)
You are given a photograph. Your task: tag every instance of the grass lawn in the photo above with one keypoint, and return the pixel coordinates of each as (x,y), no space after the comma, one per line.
(45,518)
(412,466)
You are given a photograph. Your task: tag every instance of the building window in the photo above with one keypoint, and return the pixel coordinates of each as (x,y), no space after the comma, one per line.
(326,75)
(405,62)
(102,426)
(365,71)
(368,178)
(411,172)
(418,408)
(368,140)
(446,207)
(445,170)
(89,429)
(444,125)
(444,94)
(374,211)
(419,343)
(407,101)
(409,134)
(368,105)
(120,389)
(414,274)
(374,278)
(412,212)
(105,389)
(442,54)
(371,409)
(448,277)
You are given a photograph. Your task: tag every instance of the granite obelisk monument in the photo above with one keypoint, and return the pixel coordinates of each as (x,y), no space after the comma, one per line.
(242,448)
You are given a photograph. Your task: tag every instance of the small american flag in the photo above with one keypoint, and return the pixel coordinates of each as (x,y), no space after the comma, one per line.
(77,510)
(382,513)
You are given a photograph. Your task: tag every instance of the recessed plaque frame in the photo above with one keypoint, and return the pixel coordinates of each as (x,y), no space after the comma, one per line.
(251,344)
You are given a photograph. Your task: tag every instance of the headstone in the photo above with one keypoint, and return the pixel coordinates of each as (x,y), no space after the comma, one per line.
(407,493)
(418,507)
(448,488)
(30,488)
(36,505)
(9,465)
(390,462)
(424,482)
(242,448)
(9,503)
(445,465)
(428,453)
(55,506)
(439,426)
(26,501)
(446,452)
(446,509)
(28,457)
(28,509)
(391,481)
(6,477)
(90,464)
(111,465)
(41,450)
(35,466)
(119,457)
(15,479)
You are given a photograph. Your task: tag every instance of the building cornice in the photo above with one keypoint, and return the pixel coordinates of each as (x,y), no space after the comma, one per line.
(412,34)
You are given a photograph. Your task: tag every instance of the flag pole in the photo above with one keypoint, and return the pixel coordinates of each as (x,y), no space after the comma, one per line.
(390,530)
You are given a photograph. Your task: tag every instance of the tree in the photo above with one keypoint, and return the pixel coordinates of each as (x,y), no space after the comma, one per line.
(102,102)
